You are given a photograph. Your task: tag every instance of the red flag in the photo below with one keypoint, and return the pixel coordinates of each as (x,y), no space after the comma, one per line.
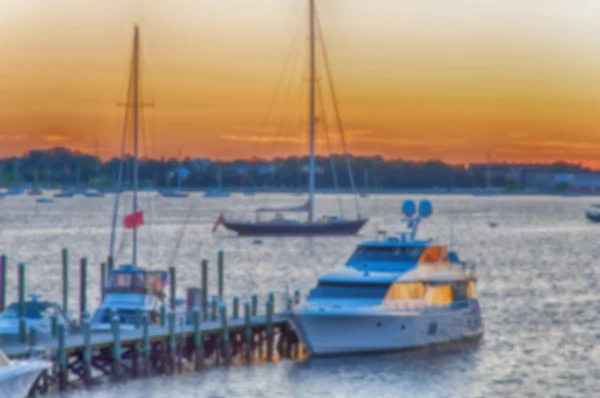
(220,220)
(134,220)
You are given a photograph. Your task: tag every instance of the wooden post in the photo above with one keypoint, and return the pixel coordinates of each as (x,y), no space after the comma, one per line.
(87,350)
(146,344)
(32,337)
(236,307)
(254,305)
(61,358)
(172,341)
(54,325)
(198,343)
(3,267)
(110,262)
(269,330)
(214,309)
(173,286)
(115,324)
(225,343)
(82,287)
(163,315)
(247,333)
(65,276)
(102,279)
(297,297)
(205,289)
(22,323)
(138,318)
(221,261)
(271,298)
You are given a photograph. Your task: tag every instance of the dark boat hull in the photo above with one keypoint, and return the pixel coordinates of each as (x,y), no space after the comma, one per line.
(594,217)
(339,228)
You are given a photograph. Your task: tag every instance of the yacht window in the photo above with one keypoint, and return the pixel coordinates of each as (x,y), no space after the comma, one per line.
(440,294)
(471,290)
(127,316)
(459,291)
(393,254)
(406,291)
(350,290)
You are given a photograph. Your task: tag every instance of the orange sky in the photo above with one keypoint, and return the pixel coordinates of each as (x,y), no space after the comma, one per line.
(437,79)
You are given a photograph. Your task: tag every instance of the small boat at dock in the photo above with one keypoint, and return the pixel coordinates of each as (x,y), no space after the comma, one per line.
(17,376)
(593,213)
(395,294)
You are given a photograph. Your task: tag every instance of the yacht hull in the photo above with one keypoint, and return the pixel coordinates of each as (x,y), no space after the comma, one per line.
(16,380)
(340,228)
(327,334)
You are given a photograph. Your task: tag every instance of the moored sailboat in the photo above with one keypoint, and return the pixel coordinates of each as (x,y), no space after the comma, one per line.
(280,226)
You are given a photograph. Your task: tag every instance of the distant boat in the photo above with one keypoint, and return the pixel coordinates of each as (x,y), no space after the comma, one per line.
(93,193)
(65,193)
(15,191)
(172,193)
(35,190)
(44,200)
(593,214)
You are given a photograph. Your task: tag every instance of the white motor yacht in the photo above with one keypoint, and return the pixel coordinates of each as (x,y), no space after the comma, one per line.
(399,293)
(17,377)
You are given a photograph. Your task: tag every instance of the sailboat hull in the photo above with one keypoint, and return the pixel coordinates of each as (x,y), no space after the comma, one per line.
(337,228)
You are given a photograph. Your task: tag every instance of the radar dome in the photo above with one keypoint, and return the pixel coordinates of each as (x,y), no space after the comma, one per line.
(425,208)
(409,208)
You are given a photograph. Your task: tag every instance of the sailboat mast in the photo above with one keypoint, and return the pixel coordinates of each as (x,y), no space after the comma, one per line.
(311,162)
(135,134)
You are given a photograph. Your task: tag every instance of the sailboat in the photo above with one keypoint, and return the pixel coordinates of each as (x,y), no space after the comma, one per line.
(280,226)
(45,199)
(95,192)
(218,192)
(17,189)
(488,190)
(130,288)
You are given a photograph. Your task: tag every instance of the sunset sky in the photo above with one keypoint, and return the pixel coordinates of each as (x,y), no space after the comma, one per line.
(428,79)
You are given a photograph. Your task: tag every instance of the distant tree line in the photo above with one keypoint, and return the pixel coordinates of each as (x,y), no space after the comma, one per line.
(63,167)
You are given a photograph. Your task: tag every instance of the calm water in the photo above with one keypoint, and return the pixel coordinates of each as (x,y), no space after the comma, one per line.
(538,287)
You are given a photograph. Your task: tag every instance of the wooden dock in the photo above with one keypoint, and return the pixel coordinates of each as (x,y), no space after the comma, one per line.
(209,337)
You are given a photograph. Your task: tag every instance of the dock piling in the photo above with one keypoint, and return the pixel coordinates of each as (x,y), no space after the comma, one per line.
(163,315)
(214,304)
(22,323)
(225,343)
(205,289)
(102,279)
(110,262)
(32,337)
(145,345)
(297,297)
(269,330)
(3,267)
(236,307)
(221,265)
(254,305)
(138,318)
(65,276)
(173,286)
(198,346)
(54,325)
(87,351)
(115,325)
(172,342)
(247,333)
(61,358)
(82,287)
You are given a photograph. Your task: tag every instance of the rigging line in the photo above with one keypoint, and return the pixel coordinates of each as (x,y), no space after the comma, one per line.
(331,159)
(121,165)
(282,119)
(280,80)
(182,234)
(337,112)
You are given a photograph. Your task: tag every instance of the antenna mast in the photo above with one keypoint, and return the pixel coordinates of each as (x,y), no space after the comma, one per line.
(136,50)
(311,163)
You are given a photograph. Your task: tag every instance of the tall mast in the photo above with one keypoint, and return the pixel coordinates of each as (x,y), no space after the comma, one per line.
(136,39)
(311,163)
